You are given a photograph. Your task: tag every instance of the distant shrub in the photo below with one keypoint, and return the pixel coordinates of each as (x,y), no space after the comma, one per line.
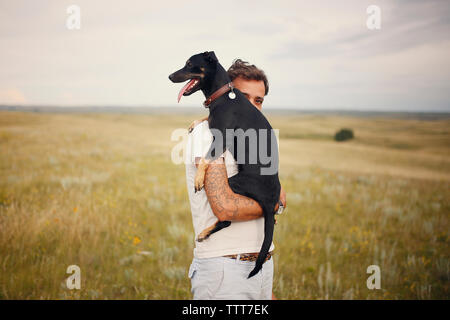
(344,134)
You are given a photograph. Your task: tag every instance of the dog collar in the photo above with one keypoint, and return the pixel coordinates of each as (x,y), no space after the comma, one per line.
(218,93)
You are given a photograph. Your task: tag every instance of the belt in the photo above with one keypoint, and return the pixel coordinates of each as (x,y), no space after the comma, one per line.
(249,256)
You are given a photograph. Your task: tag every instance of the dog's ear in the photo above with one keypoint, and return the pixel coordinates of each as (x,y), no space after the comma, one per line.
(210,56)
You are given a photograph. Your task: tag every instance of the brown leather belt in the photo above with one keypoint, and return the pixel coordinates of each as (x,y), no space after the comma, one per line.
(249,256)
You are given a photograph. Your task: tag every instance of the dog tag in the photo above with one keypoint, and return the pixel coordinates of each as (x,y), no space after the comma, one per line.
(232,95)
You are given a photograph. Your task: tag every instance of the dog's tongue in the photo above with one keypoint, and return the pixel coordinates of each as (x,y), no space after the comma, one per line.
(183,90)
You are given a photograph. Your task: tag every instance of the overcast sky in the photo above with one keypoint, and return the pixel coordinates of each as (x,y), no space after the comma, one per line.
(317,54)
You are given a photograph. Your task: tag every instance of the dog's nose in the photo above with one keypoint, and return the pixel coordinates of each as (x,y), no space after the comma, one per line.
(170,77)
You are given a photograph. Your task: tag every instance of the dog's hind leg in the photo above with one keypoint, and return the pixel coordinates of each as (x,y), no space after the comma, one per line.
(219,225)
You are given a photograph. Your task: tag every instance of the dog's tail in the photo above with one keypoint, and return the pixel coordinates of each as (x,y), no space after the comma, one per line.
(269,222)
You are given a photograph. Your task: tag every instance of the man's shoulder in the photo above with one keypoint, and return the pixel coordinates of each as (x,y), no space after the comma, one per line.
(199,126)
(201,132)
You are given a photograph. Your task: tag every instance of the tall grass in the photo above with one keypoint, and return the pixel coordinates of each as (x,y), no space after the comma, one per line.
(100,191)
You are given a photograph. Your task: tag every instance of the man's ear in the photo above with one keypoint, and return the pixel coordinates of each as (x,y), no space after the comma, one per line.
(210,56)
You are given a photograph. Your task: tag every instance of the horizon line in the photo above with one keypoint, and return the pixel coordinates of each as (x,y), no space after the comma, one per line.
(200,108)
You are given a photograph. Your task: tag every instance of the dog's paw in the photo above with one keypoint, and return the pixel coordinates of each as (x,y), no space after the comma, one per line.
(198,187)
(191,127)
(202,236)
(193,124)
(198,183)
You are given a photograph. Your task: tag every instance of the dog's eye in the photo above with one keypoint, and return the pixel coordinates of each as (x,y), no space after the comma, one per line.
(189,63)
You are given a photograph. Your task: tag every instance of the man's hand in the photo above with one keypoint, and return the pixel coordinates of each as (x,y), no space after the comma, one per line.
(282,199)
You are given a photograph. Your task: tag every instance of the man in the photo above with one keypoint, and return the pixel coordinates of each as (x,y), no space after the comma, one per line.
(222,263)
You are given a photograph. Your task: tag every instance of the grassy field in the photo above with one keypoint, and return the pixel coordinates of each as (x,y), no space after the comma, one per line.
(100,191)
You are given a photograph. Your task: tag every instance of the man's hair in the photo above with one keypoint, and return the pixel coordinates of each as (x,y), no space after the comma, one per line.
(247,71)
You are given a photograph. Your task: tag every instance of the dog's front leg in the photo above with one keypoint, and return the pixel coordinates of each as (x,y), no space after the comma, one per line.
(196,122)
(218,147)
(199,180)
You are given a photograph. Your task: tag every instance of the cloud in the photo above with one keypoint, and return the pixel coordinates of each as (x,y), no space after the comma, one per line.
(12,96)
(405,25)
(315,53)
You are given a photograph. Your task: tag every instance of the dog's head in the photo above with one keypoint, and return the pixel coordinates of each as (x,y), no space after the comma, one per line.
(198,69)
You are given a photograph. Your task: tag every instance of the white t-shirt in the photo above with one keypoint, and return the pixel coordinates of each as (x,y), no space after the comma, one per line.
(240,236)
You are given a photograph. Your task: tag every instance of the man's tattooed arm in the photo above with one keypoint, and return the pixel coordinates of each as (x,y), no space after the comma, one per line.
(227,205)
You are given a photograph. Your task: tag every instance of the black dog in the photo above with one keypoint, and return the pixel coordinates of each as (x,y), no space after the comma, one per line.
(234,111)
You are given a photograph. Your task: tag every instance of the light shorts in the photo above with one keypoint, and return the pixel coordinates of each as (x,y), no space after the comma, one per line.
(222,278)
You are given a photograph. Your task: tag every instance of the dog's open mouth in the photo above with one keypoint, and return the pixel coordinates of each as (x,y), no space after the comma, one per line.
(188,88)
